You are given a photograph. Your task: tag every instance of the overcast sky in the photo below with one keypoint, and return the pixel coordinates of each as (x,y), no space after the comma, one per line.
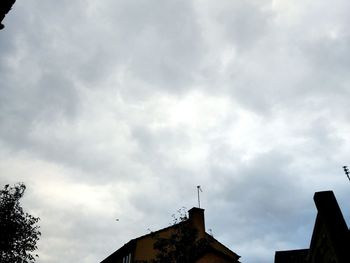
(120,108)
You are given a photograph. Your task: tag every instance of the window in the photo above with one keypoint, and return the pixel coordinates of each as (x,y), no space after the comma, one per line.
(127,258)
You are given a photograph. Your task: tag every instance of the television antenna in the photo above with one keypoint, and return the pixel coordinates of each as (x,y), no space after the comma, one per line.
(347,172)
(199,200)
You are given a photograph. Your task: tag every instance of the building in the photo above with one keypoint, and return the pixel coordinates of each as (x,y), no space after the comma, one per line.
(202,247)
(330,237)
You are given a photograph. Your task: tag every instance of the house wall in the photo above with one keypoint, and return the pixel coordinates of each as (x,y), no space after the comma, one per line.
(144,248)
(213,258)
(323,250)
(223,249)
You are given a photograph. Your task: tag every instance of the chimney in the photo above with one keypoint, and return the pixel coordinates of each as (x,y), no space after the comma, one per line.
(196,219)
(329,212)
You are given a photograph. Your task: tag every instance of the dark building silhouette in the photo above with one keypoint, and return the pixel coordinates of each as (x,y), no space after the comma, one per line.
(330,237)
(142,249)
(5,7)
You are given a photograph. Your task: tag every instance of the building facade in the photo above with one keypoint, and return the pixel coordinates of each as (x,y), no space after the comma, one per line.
(188,239)
(330,237)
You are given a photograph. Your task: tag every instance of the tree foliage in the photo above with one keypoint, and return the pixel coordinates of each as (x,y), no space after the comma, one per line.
(183,244)
(19,231)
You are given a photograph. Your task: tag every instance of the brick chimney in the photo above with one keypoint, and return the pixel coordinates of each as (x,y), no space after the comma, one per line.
(196,219)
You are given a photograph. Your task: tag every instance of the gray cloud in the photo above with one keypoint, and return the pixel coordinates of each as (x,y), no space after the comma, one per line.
(119,109)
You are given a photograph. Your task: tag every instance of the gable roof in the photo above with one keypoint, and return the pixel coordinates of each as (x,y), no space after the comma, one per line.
(215,246)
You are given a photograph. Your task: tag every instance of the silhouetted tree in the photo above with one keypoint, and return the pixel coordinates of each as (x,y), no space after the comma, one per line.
(182,246)
(5,7)
(18,230)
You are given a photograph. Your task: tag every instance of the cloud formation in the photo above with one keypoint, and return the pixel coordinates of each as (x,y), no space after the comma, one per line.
(118,109)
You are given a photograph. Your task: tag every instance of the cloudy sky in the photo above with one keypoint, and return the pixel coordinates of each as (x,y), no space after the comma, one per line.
(120,108)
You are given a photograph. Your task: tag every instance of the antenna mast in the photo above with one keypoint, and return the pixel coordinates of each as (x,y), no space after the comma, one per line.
(347,172)
(199,201)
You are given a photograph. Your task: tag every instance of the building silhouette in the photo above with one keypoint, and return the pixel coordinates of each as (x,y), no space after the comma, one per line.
(146,248)
(330,237)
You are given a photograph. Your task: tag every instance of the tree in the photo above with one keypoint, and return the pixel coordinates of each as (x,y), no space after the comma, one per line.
(5,7)
(19,231)
(183,244)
